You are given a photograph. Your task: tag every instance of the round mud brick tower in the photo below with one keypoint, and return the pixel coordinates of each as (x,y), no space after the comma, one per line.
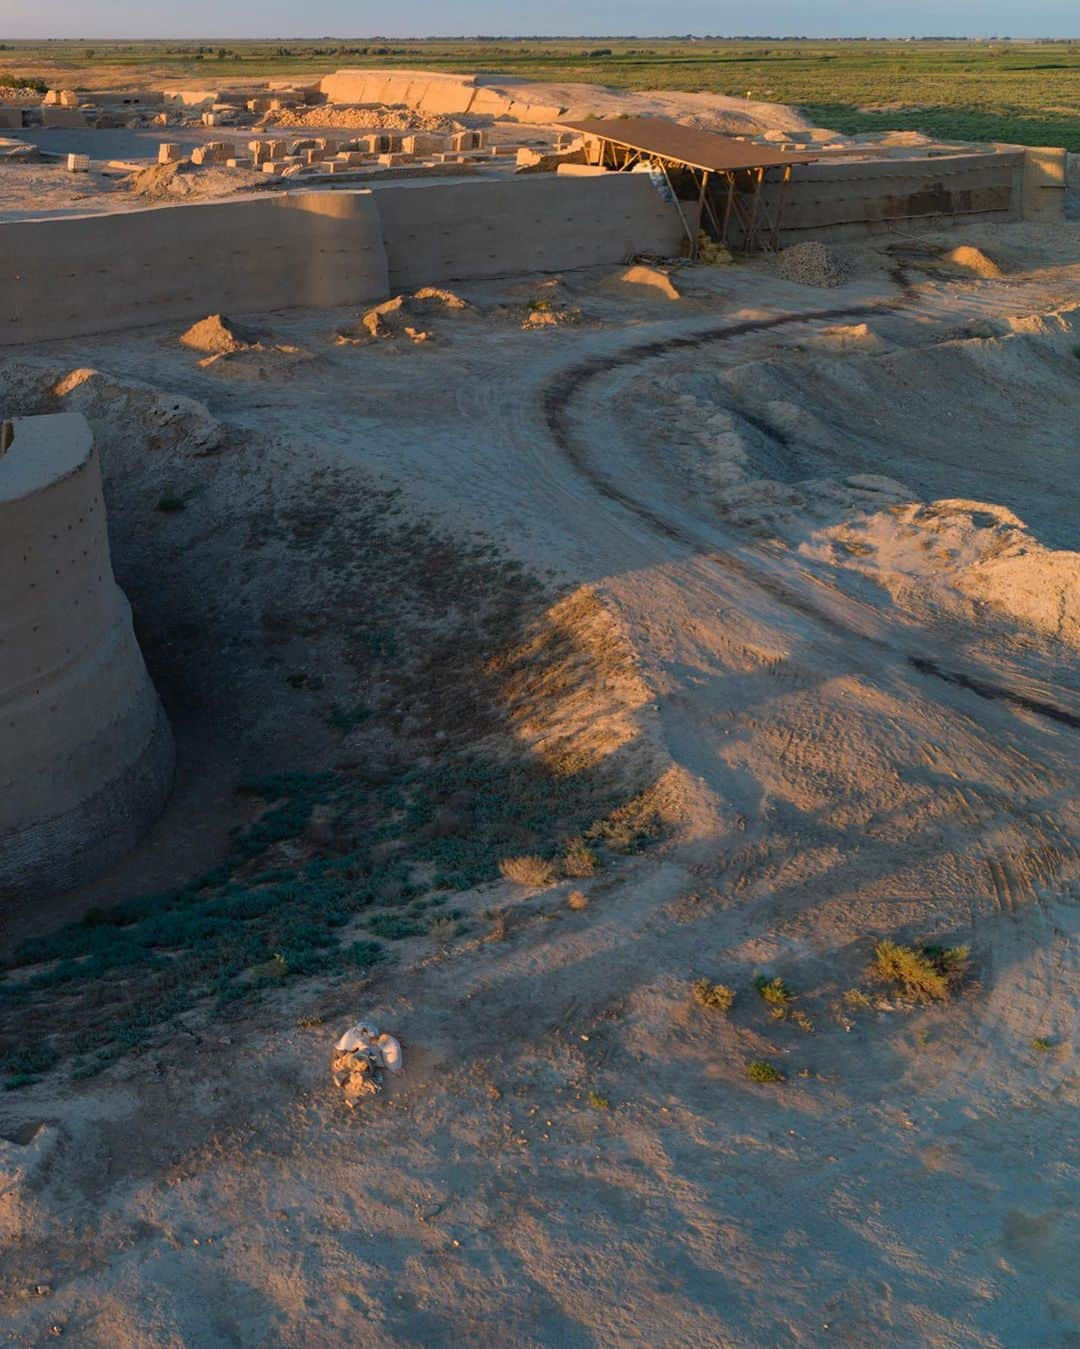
(86,755)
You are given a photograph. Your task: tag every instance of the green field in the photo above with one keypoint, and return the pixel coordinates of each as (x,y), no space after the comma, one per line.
(1026,93)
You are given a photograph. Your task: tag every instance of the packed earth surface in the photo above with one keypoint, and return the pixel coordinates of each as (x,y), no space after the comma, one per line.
(541,655)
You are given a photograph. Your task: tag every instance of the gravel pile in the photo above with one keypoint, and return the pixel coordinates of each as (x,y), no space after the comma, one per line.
(813,264)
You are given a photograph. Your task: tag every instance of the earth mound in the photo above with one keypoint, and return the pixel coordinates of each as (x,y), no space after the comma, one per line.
(217,335)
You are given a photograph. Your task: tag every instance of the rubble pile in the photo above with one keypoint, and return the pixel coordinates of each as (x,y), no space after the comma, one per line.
(361,1056)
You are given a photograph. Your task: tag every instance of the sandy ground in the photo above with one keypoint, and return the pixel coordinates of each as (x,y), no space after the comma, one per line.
(833,531)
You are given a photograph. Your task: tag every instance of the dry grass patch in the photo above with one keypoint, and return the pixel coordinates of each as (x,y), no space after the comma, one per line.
(923,973)
(527,870)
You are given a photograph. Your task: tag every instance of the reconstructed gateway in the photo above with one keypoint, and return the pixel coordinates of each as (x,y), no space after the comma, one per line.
(86,755)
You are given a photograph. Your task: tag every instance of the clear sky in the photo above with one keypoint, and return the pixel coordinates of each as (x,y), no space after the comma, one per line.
(360,19)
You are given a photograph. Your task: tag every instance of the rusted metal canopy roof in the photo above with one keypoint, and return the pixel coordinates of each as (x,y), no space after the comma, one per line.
(685,144)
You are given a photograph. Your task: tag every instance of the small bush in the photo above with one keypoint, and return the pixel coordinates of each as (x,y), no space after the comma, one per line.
(444,930)
(855,997)
(579,859)
(576,900)
(599,1102)
(924,973)
(394,927)
(761,1070)
(717,997)
(500,926)
(527,870)
(775,992)
(362,953)
(1042,1044)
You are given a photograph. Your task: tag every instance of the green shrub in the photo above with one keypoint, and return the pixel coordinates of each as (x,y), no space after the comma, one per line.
(775,992)
(761,1070)
(599,1102)
(394,927)
(717,997)
(579,859)
(924,973)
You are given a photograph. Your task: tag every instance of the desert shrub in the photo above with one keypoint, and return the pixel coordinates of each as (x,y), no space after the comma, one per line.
(775,992)
(500,926)
(761,1070)
(1042,1044)
(576,900)
(394,926)
(924,973)
(527,870)
(717,997)
(579,859)
(599,1102)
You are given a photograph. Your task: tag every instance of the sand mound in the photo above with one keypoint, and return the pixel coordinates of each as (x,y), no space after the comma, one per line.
(657,283)
(973,260)
(813,264)
(239,352)
(217,335)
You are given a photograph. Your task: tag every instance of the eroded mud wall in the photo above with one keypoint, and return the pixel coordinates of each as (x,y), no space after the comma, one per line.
(533,224)
(88,274)
(72,277)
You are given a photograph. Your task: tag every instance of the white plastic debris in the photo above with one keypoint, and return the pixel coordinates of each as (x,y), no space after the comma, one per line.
(391,1054)
(361,1036)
